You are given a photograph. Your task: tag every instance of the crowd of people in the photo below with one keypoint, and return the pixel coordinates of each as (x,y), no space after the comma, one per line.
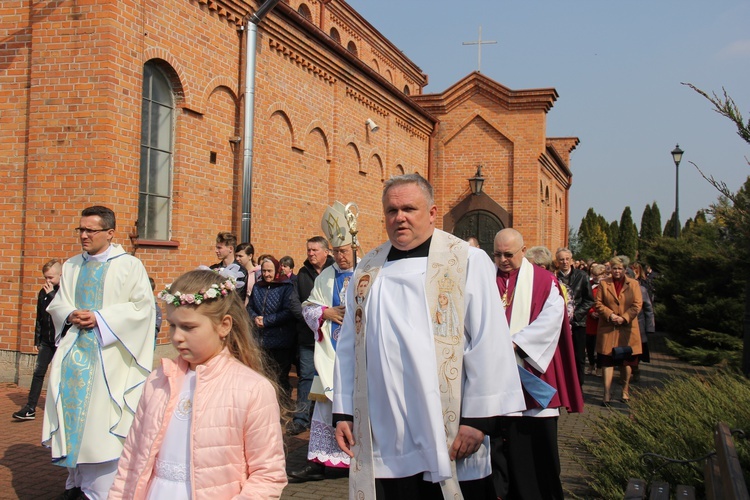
(425,367)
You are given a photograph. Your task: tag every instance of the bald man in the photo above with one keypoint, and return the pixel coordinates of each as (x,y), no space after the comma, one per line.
(525,458)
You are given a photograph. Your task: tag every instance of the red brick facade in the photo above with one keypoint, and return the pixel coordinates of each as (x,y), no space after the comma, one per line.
(70,116)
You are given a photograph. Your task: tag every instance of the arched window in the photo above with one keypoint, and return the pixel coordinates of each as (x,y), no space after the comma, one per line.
(157,149)
(352,47)
(335,35)
(304,11)
(406,90)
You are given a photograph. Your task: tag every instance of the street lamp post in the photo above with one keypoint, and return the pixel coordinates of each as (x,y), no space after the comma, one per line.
(677,157)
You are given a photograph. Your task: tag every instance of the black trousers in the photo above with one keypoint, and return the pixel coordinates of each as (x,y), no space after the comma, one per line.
(591,348)
(579,350)
(281,363)
(43,359)
(525,459)
(416,488)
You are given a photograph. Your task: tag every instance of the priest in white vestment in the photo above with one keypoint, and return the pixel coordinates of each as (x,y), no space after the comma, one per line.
(97,374)
(431,394)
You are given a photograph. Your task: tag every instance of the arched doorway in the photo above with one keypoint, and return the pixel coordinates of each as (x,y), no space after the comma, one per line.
(482,224)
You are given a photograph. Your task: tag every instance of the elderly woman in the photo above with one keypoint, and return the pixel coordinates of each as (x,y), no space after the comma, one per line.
(542,257)
(274,309)
(618,303)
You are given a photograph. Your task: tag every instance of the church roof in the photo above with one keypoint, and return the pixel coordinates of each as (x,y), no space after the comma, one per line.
(478,83)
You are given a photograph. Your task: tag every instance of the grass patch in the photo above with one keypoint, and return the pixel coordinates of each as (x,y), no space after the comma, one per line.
(676,421)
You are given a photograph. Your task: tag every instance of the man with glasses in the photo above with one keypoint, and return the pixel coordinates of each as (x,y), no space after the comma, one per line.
(525,458)
(97,374)
(579,288)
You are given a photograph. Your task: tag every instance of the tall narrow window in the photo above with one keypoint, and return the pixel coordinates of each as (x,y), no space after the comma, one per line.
(157,147)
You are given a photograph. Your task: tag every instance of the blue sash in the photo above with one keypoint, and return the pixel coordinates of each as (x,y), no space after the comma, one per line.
(340,284)
(80,363)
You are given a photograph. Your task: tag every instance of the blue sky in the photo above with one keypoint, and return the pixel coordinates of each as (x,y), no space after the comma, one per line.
(617,67)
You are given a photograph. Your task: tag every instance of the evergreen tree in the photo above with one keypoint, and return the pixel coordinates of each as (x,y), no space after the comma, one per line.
(613,233)
(587,224)
(650,226)
(669,227)
(700,292)
(574,242)
(693,224)
(596,245)
(646,224)
(593,242)
(627,237)
(734,211)
(656,219)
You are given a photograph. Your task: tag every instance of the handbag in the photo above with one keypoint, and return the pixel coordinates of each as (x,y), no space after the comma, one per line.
(621,353)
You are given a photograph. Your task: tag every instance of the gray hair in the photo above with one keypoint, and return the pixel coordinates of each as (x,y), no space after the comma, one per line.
(563,249)
(541,256)
(417,179)
(320,240)
(597,269)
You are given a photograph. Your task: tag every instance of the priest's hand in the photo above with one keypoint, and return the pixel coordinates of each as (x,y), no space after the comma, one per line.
(344,437)
(83,319)
(467,442)
(335,314)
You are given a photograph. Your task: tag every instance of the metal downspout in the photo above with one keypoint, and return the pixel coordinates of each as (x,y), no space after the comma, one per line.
(247,160)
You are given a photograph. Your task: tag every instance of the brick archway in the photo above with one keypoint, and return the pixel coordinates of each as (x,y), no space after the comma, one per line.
(481,210)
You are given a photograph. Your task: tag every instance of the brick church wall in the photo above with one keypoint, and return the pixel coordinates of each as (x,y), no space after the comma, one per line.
(70,117)
(73,100)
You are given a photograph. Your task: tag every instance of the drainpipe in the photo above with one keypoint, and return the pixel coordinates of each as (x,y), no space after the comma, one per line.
(247,161)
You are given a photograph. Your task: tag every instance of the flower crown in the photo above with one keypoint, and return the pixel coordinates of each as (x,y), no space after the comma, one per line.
(216,290)
(181,299)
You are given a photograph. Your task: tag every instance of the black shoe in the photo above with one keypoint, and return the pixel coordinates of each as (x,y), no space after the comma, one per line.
(310,472)
(295,428)
(25,413)
(72,494)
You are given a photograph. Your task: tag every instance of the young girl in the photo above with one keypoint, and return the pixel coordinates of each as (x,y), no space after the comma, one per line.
(207,425)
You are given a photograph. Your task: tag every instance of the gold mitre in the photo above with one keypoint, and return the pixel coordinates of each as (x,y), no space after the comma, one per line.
(334,225)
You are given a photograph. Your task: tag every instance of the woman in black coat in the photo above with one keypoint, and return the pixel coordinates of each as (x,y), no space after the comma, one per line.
(274,309)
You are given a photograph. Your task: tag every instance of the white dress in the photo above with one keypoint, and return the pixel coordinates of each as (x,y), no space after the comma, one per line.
(171,477)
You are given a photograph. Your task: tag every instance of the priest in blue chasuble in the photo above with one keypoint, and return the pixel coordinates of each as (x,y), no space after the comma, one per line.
(101,364)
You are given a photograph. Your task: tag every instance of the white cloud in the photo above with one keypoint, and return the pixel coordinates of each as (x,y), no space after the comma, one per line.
(736,49)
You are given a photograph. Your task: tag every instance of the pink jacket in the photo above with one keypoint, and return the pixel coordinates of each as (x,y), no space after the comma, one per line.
(236,443)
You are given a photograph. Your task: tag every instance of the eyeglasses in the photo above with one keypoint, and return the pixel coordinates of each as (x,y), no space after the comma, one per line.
(85,230)
(507,255)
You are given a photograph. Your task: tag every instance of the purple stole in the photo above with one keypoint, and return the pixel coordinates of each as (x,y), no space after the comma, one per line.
(561,372)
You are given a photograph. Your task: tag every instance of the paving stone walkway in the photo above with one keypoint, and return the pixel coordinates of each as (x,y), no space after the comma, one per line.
(26,472)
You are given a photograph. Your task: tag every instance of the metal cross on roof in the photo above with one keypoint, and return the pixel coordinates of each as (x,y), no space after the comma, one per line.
(479,44)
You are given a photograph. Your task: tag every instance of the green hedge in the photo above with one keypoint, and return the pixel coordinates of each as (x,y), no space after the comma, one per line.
(675,421)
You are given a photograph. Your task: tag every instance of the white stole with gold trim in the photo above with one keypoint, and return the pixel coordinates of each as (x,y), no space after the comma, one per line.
(445,284)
